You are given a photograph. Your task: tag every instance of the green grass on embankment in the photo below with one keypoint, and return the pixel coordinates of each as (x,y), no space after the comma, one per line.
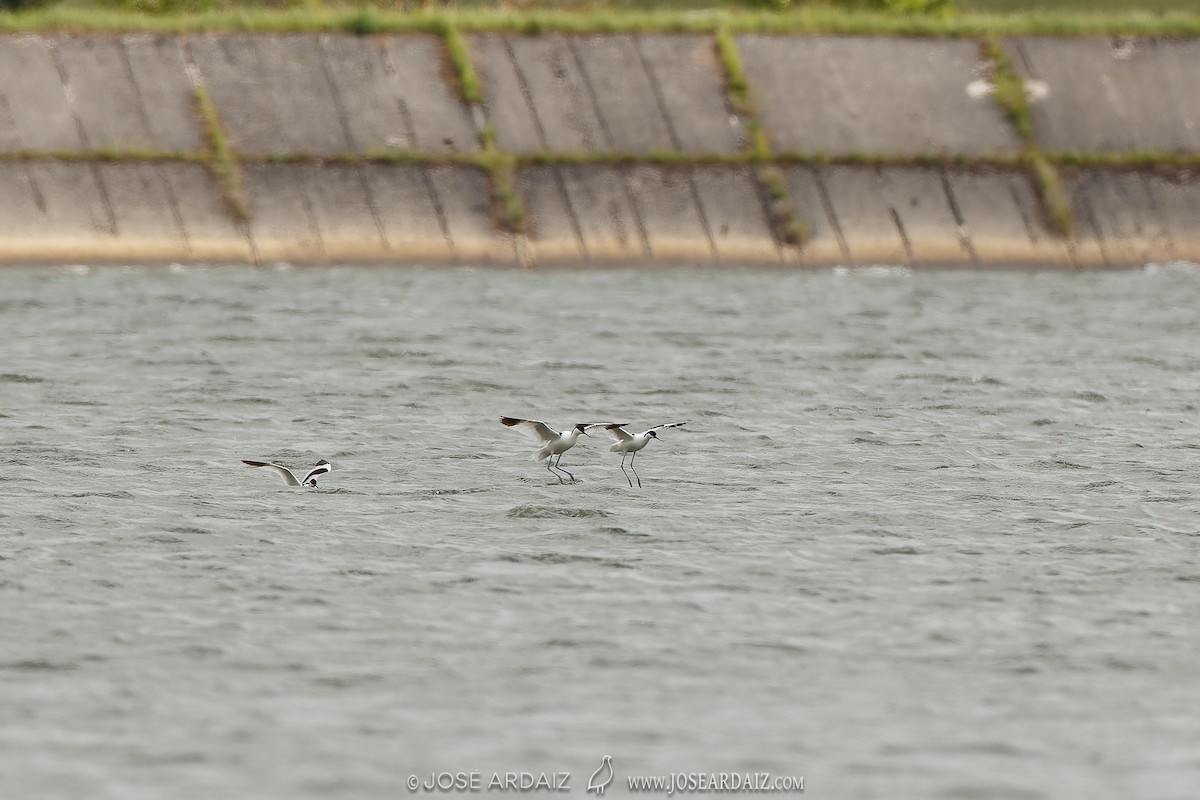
(78,15)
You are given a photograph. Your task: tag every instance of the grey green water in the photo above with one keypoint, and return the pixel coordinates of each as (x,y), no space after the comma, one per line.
(924,535)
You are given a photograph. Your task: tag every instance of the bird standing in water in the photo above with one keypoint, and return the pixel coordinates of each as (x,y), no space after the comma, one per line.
(554,443)
(628,444)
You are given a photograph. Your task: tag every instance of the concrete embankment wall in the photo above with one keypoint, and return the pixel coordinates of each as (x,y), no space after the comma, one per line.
(605,148)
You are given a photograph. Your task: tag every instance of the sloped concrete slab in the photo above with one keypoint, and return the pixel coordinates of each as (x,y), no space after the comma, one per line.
(1176,201)
(625,95)
(606,94)
(691,91)
(52,210)
(102,93)
(414,228)
(104,80)
(608,221)
(863,216)
(1001,218)
(210,229)
(895,216)
(538,95)
(551,232)
(345,213)
(329,213)
(734,215)
(806,196)
(283,224)
(166,95)
(297,75)
(463,195)
(441,122)
(1113,95)
(394,96)
(918,198)
(509,106)
(228,67)
(1114,211)
(34,112)
(63,211)
(830,95)
(273,93)
(671,216)
(148,224)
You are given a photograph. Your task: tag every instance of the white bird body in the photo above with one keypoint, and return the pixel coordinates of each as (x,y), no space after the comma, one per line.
(310,478)
(626,443)
(554,443)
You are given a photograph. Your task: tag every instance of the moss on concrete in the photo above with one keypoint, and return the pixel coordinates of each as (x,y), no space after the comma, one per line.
(222,161)
(469,84)
(1056,203)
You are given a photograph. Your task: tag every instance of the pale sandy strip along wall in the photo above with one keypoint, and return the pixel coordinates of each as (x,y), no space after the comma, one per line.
(309,98)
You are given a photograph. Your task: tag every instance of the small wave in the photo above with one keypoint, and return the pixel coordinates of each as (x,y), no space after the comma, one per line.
(566,365)
(39,665)
(550,512)
(874,271)
(566,558)
(613,530)
(347,681)
(187,530)
(12,377)
(1171,268)
(869,440)
(906,550)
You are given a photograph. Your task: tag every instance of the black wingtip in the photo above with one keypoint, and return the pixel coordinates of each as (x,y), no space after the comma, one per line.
(509,421)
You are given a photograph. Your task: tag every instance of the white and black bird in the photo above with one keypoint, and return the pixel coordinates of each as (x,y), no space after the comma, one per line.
(554,443)
(310,479)
(628,444)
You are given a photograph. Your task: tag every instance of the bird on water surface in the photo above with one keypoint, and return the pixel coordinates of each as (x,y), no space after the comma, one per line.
(554,443)
(310,479)
(628,444)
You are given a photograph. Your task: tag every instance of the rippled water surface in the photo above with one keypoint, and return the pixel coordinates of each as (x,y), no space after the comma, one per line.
(924,536)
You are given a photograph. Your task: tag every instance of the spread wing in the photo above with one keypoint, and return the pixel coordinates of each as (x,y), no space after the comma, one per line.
(617,431)
(664,427)
(319,469)
(538,431)
(286,473)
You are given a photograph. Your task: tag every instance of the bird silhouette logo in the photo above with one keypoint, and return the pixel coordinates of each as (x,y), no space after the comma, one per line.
(602,777)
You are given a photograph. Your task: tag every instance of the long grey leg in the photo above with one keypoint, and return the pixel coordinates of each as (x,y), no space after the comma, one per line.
(626,473)
(550,466)
(639,477)
(558,465)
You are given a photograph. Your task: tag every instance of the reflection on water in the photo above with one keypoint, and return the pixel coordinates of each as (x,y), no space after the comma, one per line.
(925,535)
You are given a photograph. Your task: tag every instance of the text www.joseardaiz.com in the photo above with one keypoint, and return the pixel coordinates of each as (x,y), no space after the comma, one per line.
(715,783)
